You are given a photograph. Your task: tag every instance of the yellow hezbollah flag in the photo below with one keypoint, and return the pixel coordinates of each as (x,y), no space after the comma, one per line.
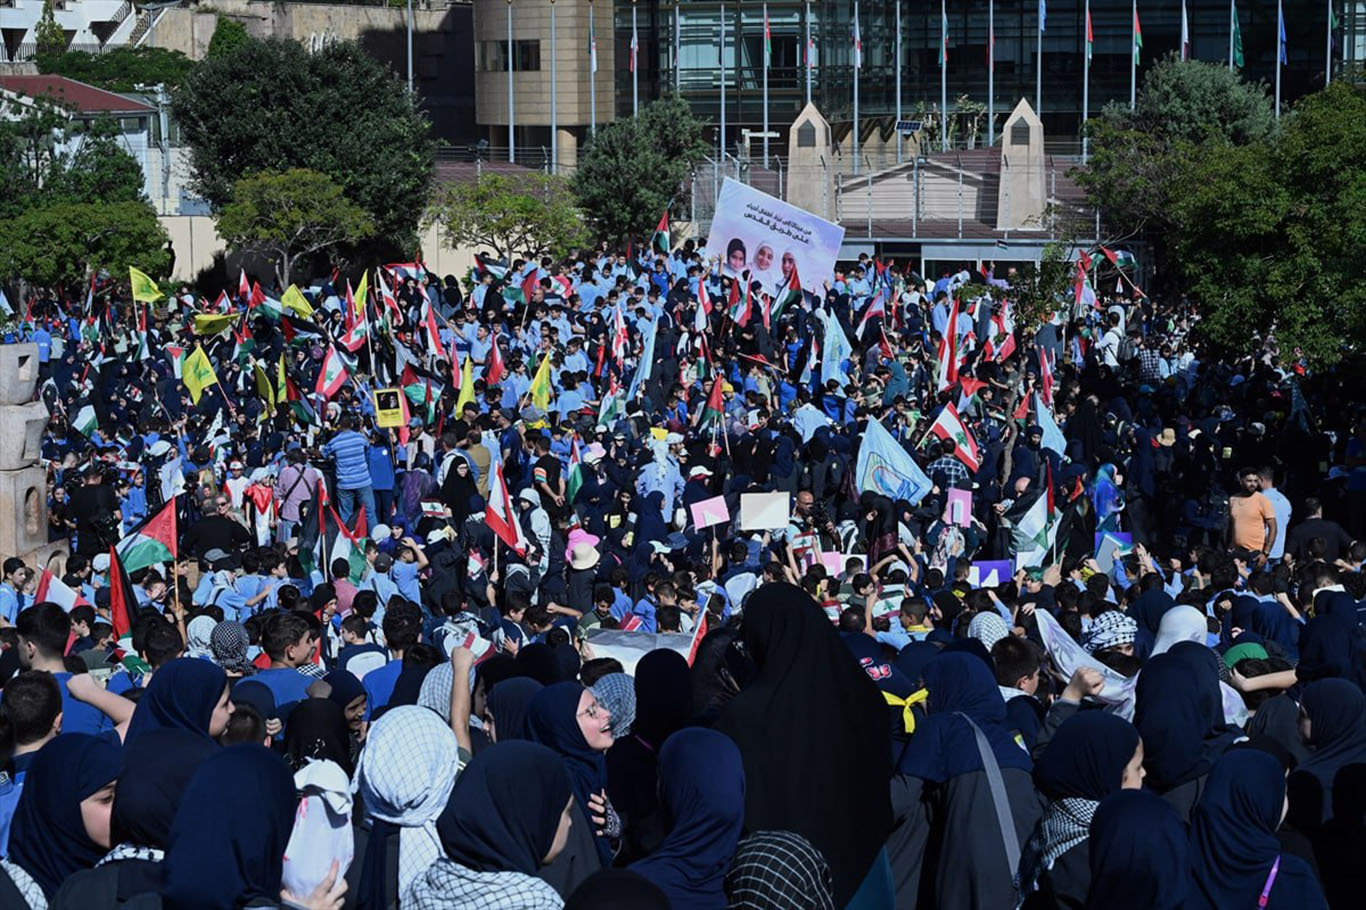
(263,387)
(295,301)
(540,386)
(359,296)
(212,323)
(197,373)
(145,289)
(466,385)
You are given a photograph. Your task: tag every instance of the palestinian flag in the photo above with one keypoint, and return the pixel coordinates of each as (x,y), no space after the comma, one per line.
(303,411)
(405,270)
(949,425)
(610,411)
(1032,528)
(324,538)
(791,292)
(176,354)
(151,543)
(243,342)
(716,402)
(85,421)
(52,589)
(739,309)
(500,514)
(333,374)
(486,266)
(123,603)
(660,241)
(575,472)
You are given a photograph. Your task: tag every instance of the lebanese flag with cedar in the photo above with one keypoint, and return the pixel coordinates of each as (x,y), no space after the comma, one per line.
(949,425)
(333,374)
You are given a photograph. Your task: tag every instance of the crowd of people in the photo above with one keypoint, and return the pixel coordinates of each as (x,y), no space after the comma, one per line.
(617,582)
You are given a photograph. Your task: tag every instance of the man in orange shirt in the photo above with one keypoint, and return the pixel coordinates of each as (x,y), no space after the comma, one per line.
(1252,518)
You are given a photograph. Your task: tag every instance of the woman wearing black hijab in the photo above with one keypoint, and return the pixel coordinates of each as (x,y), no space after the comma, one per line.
(1092,755)
(1328,790)
(506,707)
(158,769)
(1176,715)
(812,731)
(458,488)
(1236,859)
(1138,854)
(951,848)
(508,816)
(317,729)
(663,706)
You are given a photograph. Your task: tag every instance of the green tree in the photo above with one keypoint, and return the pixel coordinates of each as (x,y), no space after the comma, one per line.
(1137,157)
(63,242)
(271,106)
(48,37)
(44,157)
(120,69)
(228,36)
(511,215)
(290,215)
(1268,236)
(635,167)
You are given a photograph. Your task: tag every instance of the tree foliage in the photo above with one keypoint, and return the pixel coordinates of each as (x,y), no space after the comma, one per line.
(73,201)
(228,36)
(536,213)
(1269,235)
(44,157)
(120,69)
(290,215)
(1137,157)
(271,106)
(63,242)
(635,167)
(48,37)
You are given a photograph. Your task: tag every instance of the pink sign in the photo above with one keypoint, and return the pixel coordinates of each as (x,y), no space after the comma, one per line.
(958,509)
(710,512)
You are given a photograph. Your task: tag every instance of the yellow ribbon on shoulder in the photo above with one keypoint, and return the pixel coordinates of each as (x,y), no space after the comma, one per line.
(907,715)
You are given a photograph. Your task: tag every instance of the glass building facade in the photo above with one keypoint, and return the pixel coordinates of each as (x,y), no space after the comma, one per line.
(697,61)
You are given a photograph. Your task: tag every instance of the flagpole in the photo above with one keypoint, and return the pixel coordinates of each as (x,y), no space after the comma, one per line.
(721,137)
(1232,17)
(943,76)
(858,55)
(991,73)
(1280,50)
(1038,65)
(678,50)
(1086,83)
(1133,57)
(1185,33)
(554,133)
(766,61)
(635,63)
(512,144)
(807,26)
(593,74)
(898,83)
(1328,49)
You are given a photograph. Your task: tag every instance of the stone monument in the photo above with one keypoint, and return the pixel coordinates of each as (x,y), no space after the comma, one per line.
(1021,199)
(23,480)
(810,171)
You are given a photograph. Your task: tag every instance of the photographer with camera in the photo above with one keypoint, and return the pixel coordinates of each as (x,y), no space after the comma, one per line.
(95,513)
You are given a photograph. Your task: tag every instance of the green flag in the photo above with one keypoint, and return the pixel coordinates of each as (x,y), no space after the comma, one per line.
(1237,42)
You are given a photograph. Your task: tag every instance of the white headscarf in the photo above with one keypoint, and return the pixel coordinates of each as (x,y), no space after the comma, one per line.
(404,776)
(1183,623)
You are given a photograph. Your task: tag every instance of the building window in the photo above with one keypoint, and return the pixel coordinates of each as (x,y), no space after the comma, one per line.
(1019,133)
(806,135)
(526,56)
